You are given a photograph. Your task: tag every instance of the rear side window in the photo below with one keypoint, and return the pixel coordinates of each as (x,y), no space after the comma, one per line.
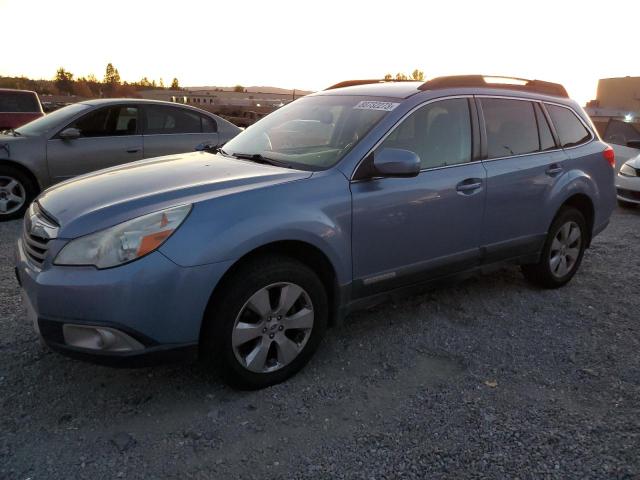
(18,102)
(439,133)
(546,138)
(170,120)
(570,129)
(511,127)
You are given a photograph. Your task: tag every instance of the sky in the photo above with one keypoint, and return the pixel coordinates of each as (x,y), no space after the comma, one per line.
(313,44)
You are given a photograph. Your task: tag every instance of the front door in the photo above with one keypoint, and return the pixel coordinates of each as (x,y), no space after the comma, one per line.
(409,229)
(109,136)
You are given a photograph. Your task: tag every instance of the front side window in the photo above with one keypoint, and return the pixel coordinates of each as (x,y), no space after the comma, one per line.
(209,125)
(108,122)
(511,127)
(439,133)
(311,133)
(170,120)
(570,129)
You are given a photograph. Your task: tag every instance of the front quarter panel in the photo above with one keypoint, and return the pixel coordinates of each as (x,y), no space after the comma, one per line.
(29,152)
(316,210)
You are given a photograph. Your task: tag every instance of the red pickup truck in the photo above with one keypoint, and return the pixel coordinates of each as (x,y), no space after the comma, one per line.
(18,107)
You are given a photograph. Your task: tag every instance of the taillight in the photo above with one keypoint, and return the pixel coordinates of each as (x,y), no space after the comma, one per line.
(610,156)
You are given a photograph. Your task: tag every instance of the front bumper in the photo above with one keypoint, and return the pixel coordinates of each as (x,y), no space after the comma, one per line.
(153,301)
(628,188)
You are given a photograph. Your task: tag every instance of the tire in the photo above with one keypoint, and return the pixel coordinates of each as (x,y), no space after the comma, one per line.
(550,272)
(261,353)
(17,191)
(624,204)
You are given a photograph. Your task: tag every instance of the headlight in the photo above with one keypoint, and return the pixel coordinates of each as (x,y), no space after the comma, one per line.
(628,170)
(124,242)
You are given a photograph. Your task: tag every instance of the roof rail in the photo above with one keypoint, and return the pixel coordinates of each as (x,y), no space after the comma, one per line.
(352,83)
(510,83)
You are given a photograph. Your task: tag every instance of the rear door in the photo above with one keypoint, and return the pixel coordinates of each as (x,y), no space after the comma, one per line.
(109,136)
(169,130)
(523,163)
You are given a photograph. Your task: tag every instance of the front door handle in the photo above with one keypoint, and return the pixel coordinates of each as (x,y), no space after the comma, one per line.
(554,170)
(133,150)
(469,185)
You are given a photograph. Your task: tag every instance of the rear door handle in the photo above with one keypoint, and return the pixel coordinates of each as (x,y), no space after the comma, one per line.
(554,170)
(133,150)
(469,185)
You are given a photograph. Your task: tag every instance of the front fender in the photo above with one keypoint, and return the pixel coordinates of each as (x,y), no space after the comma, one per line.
(316,210)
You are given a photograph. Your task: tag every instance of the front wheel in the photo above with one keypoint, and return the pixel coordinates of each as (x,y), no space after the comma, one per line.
(16,193)
(265,323)
(562,252)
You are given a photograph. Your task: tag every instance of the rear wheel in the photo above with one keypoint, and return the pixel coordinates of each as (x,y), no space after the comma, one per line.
(265,323)
(17,191)
(562,252)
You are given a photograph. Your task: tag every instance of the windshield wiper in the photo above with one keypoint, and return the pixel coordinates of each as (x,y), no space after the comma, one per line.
(258,158)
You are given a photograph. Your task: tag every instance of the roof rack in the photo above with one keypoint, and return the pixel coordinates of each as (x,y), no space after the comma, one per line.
(352,83)
(510,83)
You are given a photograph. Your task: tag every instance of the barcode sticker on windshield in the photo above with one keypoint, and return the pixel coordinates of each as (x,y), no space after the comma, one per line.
(370,105)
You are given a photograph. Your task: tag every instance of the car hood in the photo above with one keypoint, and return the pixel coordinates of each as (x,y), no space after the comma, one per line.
(101,199)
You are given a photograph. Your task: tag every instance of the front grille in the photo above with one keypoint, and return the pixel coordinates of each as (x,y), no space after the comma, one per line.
(38,230)
(631,194)
(35,247)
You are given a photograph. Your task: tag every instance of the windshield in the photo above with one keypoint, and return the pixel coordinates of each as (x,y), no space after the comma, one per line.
(312,133)
(53,119)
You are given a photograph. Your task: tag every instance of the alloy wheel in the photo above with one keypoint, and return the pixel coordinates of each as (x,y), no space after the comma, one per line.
(12,195)
(273,327)
(565,249)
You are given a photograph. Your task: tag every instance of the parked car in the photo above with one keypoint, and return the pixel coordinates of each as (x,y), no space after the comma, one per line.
(628,183)
(246,255)
(95,134)
(18,107)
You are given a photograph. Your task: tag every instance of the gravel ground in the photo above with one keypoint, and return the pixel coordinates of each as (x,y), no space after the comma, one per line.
(489,378)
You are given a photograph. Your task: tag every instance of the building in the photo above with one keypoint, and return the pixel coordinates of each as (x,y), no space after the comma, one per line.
(616,110)
(619,93)
(241,108)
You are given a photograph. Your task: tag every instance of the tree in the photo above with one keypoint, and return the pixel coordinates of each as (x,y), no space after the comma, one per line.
(81,88)
(174,84)
(418,75)
(111,75)
(64,81)
(161,83)
(238,88)
(388,77)
(401,76)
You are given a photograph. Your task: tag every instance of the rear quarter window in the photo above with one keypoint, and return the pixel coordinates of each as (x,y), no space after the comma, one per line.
(18,102)
(571,130)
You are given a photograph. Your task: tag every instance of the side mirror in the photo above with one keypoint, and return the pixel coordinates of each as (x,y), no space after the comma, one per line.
(69,133)
(206,147)
(633,144)
(396,162)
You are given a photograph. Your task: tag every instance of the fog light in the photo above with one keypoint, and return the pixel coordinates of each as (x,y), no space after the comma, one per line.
(99,338)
